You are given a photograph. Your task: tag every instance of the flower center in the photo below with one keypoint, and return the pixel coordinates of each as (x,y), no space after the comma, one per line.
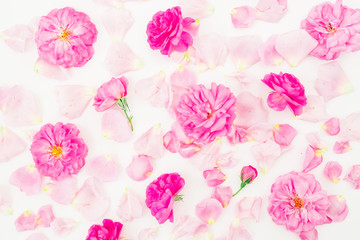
(56,151)
(64,35)
(299,203)
(330,28)
(209,115)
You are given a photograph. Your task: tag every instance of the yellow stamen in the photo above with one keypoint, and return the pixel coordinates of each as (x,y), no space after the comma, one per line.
(55,151)
(299,203)
(64,35)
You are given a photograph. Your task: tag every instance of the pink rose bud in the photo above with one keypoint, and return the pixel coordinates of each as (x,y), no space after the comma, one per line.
(333,171)
(248,172)
(214,177)
(332,126)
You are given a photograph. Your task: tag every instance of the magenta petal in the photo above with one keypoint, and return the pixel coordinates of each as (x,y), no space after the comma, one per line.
(45,216)
(276,101)
(28,179)
(208,210)
(10,144)
(333,171)
(18,37)
(151,143)
(140,168)
(249,207)
(26,222)
(130,207)
(104,168)
(313,158)
(91,201)
(62,191)
(243,17)
(338,209)
(115,126)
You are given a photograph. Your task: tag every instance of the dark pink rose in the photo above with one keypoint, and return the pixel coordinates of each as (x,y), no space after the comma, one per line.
(288,91)
(168,31)
(108,231)
(160,196)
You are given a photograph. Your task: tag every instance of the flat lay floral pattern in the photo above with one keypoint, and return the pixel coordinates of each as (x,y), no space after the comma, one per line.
(181,129)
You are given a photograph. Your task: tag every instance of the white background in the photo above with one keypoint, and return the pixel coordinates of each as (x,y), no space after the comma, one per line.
(16,68)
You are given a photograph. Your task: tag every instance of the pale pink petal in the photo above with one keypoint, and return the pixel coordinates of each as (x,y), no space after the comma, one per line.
(154,89)
(117,22)
(148,234)
(265,154)
(110,3)
(315,140)
(206,159)
(28,179)
(208,210)
(238,134)
(121,59)
(243,17)
(45,216)
(260,132)
(223,195)
(20,108)
(226,160)
(294,46)
(189,150)
(91,201)
(332,126)
(51,71)
(313,158)
(18,37)
(130,207)
(171,142)
(338,210)
(350,127)
(73,99)
(184,58)
(237,231)
(188,226)
(214,177)
(62,191)
(183,77)
(309,235)
(26,222)
(211,50)
(249,110)
(315,109)
(342,147)
(271,10)
(332,81)
(196,9)
(104,168)
(354,176)
(151,142)
(5,200)
(63,226)
(268,53)
(10,144)
(244,51)
(249,207)
(333,171)
(37,236)
(140,168)
(284,134)
(115,126)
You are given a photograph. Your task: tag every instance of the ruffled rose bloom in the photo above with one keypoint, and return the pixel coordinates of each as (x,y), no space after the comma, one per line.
(205,114)
(168,31)
(160,196)
(335,27)
(298,202)
(109,93)
(65,37)
(58,151)
(287,91)
(108,231)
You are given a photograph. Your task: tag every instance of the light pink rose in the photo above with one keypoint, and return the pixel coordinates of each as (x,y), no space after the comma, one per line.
(65,37)
(298,202)
(287,91)
(58,151)
(160,196)
(205,114)
(109,93)
(168,31)
(335,27)
(109,230)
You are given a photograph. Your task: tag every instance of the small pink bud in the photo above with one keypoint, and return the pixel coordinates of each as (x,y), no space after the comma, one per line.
(333,171)
(248,172)
(214,177)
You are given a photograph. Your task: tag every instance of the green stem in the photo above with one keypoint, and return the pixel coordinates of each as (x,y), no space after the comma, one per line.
(122,103)
(243,184)
(178,198)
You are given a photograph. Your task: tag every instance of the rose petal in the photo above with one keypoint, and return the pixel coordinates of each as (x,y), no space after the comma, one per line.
(130,207)
(265,154)
(37,236)
(5,200)
(151,143)
(268,53)
(104,168)
(294,46)
(117,22)
(140,168)
(63,226)
(214,177)
(332,126)
(28,179)
(115,126)
(333,171)
(350,128)
(188,226)
(354,176)
(45,216)
(244,51)
(171,142)
(121,59)
(62,191)
(196,9)
(223,195)
(315,109)
(249,207)
(243,17)
(10,144)
(208,210)
(237,231)
(338,210)
(341,147)
(26,222)
(51,71)
(18,37)
(284,134)
(309,235)
(271,10)
(313,158)
(73,99)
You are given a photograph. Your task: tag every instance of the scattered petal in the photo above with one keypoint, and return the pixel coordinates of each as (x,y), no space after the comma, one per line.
(26,222)
(18,37)
(284,134)
(249,207)
(208,210)
(332,126)
(62,191)
(315,109)
(265,154)
(148,234)
(188,226)
(342,147)
(223,195)
(196,9)
(244,51)
(130,207)
(10,144)
(214,177)
(117,22)
(37,236)
(243,17)
(5,200)
(313,158)
(350,128)
(171,142)
(333,171)
(271,10)
(45,216)
(140,168)
(268,53)
(104,168)
(63,226)
(354,176)
(237,231)
(309,235)
(338,210)
(151,142)
(28,179)
(115,126)
(51,71)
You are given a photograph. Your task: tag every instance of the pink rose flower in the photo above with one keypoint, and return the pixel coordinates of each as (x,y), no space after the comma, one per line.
(248,172)
(108,231)
(160,196)
(287,91)
(65,37)
(335,27)
(168,31)
(205,114)
(58,151)
(298,202)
